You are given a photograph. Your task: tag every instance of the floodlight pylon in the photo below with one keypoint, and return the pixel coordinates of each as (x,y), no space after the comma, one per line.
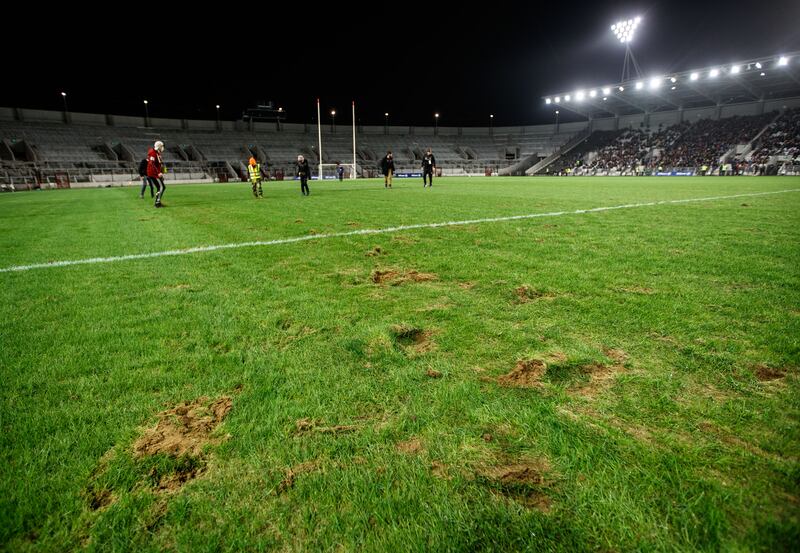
(624,31)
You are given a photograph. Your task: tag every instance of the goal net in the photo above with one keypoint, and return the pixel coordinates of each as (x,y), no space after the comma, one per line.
(331,170)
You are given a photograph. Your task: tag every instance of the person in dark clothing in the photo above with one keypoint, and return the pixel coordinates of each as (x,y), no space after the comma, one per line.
(145,180)
(387,168)
(304,172)
(340,171)
(428,165)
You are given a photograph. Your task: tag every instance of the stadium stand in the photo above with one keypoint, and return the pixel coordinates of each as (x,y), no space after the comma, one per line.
(34,153)
(742,118)
(731,119)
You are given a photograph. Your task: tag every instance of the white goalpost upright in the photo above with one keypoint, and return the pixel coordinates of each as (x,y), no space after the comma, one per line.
(328,170)
(319,135)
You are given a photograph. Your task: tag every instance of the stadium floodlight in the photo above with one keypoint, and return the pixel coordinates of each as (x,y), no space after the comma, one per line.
(735,69)
(624,32)
(567,98)
(694,76)
(557,99)
(673,80)
(639,85)
(783,61)
(592,93)
(579,96)
(763,74)
(548,101)
(621,88)
(655,82)
(673,88)
(758,65)
(713,73)
(606,90)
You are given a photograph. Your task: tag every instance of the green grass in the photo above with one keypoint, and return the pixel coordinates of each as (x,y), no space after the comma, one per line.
(677,445)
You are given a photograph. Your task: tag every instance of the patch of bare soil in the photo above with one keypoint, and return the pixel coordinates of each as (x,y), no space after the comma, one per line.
(412,446)
(439,470)
(524,481)
(556,357)
(765,373)
(174,480)
(527,374)
(600,378)
(176,287)
(413,339)
(396,278)
(664,338)
(430,373)
(374,252)
(466,285)
(616,355)
(292,473)
(184,429)
(525,294)
(309,425)
(731,439)
(100,498)
(638,290)
(404,239)
(352,224)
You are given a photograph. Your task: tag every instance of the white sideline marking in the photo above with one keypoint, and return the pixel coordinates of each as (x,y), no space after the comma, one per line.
(278,241)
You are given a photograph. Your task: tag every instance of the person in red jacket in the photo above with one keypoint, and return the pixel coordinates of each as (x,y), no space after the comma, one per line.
(155,169)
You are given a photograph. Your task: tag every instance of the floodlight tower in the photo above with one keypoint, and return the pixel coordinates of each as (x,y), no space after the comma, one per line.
(624,31)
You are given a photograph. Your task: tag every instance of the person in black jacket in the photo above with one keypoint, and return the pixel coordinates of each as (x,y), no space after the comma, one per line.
(145,180)
(428,165)
(387,168)
(304,172)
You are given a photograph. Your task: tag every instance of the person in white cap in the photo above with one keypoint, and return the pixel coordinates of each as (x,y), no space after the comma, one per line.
(155,169)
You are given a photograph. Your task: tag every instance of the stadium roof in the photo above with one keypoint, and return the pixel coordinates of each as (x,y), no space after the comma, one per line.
(757,79)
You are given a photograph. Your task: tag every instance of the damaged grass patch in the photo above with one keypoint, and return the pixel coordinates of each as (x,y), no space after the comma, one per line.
(184,429)
(765,373)
(526,293)
(412,446)
(396,278)
(292,473)
(527,374)
(525,481)
(413,339)
(309,425)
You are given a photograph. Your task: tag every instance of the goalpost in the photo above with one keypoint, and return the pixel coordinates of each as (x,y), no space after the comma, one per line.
(330,171)
(350,169)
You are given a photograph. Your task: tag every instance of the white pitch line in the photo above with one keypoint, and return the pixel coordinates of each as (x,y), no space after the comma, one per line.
(199,249)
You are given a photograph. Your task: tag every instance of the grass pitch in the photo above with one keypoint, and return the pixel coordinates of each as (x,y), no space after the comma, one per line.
(620,380)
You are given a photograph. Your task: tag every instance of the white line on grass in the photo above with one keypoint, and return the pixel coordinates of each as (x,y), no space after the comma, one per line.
(278,241)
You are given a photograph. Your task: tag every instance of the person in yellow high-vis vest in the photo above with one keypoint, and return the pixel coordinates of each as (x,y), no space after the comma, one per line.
(255,177)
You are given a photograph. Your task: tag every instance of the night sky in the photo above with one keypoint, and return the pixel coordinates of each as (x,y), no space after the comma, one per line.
(411,60)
